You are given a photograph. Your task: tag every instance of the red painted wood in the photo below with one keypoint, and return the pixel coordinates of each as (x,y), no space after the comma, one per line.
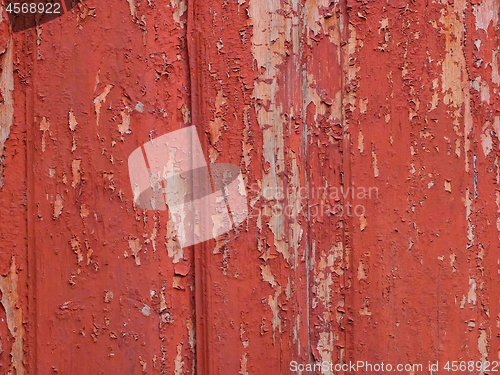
(317,102)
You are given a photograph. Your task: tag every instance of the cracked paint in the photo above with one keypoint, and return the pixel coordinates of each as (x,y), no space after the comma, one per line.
(6,88)
(304,96)
(11,304)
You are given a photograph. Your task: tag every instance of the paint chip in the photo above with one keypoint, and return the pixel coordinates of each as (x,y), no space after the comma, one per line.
(84,212)
(374,162)
(75,171)
(58,206)
(11,303)
(486,143)
(146,310)
(135,247)
(108,296)
(139,107)
(101,99)
(124,127)
(361,271)
(72,121)
(363,223)
(44,127)
(447,186)
(75,246)
(267,275)
(471,296)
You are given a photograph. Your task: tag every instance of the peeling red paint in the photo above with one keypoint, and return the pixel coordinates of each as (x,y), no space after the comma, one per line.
(314,100)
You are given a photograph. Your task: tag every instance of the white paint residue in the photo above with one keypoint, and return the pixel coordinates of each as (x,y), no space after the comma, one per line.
(496,127)
(468,211)
(485,13)
(270,33)
(275,308)
(6,88)
(58,206)
(44,127)
(124,127)
(72,120)
(267,275)
(363,223)
(100,99)
(135,246)
(455,81)
(244,364)
(495,76)
(360,142)
(485,92)
(216,125)
(486,143)
(325,349)
(131,5)
(497,200)
(471,296)
(361,271)
(482,346)
(192,341)
(374,162)
(146,310)
(179,7)
(179,363)
(14,314)
(447,186)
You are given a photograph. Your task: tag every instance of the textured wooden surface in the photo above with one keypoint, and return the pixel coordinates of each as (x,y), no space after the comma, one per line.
(368,135)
